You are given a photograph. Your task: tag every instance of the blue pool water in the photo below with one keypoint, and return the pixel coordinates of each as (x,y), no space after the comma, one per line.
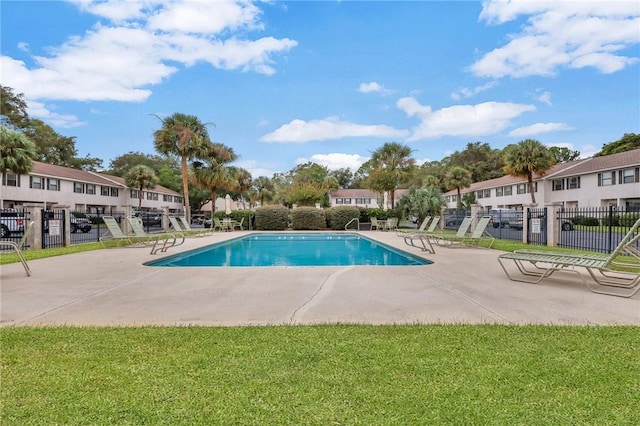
(299,249)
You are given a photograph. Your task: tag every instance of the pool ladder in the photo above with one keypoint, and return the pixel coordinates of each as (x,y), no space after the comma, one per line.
(355,219)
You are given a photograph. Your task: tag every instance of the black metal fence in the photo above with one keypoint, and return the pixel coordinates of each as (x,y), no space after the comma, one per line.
(13,222)
(537,226)
(595,229)
(53,225)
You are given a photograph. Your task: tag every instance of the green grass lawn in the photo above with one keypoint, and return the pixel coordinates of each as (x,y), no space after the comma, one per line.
(321,375)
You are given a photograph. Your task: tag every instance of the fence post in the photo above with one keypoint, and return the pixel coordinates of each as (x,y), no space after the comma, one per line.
(165,218)
(553,225)
(67,223)
(525,221)
(34,241)
(475,209)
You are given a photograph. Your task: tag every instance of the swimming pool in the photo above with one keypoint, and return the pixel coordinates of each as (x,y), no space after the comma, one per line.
(293,249)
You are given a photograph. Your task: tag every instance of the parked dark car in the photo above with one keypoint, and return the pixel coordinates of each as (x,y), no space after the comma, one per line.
(453,220)
(150,218)
(78,223)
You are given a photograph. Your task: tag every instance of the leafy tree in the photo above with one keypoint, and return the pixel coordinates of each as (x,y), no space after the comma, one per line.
(212,172)
(305,193)
(527,158)
(186,137)
(263,189)
(480,160)
(628,142)
(564,155)
(141,177)
(344,177)
(431,180)
(170,178)
(16,153)
(309,172)
(458,178)
(390,166)
(13,109)
(421,202)
(120,165)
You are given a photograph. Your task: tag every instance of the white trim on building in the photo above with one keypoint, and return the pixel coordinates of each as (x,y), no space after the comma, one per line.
(81,190)
(612,180)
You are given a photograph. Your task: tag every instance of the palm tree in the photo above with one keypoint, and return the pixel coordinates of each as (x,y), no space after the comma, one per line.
(526,158)
(390,166)
(16,153)
(186,137)
(242,181)
(213,172)
(141,177)
(263,189)
(457,178)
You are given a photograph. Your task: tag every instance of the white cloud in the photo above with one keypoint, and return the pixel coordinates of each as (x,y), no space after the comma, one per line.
(370,87)
(544,97)
(465,92)
(461,120)
(336,160)
(373,87)
(332,128)
(538,128)
(38,110)
(562,34)
(146,42)
(252,167)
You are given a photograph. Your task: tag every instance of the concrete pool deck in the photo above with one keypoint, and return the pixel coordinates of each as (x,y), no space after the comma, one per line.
(112,287)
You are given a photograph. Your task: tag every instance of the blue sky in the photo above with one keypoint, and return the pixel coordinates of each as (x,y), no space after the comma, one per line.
(329,82)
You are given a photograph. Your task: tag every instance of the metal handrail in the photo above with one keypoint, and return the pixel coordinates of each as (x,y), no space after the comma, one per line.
(349,223)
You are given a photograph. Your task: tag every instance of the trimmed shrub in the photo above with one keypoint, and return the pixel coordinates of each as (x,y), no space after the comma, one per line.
(628,219)
(272,218)
(338,217)
(585,221)
(308,218)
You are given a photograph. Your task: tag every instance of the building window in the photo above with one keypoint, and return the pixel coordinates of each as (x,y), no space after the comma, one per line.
(573,182)
(36,182)
(177,199)
(630,175)
(114,192)
(558,184)
(104,190)
(487,193)
(363,200)
(479,194)
(508,190)
(53,184)
(78,188)
(499,192)
(606,179)
(338,200)
(10,179)
(134,194)
(90,188)
(522,188)
(167,198)
(347,201)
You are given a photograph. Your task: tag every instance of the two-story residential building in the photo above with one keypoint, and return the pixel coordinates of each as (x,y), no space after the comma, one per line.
(363,198)
(91,192)
(612,180)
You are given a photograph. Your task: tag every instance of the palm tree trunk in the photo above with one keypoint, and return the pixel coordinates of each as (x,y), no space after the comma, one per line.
(185,188)
(531,189)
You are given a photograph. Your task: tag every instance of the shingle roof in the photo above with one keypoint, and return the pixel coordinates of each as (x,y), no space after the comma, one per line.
(76,175)
(571,168)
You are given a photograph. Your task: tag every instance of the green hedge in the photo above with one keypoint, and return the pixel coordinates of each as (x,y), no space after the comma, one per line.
(308,218)
(272,218)
(628,219)
(338,217)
